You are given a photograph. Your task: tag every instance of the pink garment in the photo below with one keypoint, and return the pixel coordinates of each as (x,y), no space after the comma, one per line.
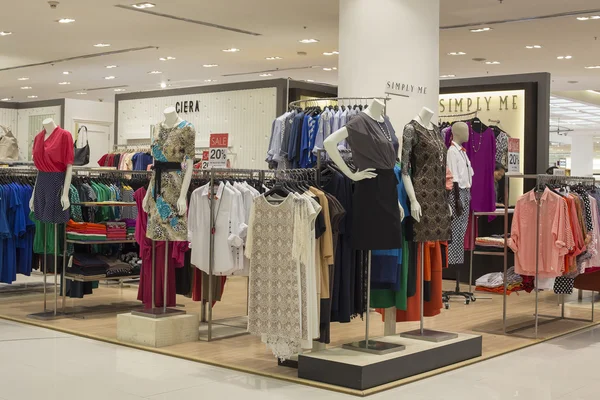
(176,259)
(555,234)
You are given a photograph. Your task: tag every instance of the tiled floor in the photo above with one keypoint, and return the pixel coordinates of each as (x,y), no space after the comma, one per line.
(39,363)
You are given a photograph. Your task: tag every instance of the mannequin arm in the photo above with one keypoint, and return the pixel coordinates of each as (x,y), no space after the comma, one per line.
(187,178)
(64,200)
(145,201)
(330,145)
(415,207)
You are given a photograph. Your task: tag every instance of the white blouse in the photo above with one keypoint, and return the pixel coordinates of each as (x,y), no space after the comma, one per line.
(459,164)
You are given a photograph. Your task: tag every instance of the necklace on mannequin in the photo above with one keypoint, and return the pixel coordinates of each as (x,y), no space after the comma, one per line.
(436,141)
(386,134)
(480,140)
(423,122)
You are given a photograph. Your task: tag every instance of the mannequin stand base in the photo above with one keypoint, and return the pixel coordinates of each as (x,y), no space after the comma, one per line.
(429,335)
(157,332)
(374,347)
(47,316)
(158,313)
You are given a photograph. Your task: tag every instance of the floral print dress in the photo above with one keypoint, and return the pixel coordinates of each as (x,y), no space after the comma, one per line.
(175,144)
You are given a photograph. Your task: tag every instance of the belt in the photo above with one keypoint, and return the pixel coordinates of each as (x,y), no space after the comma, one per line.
(159,167)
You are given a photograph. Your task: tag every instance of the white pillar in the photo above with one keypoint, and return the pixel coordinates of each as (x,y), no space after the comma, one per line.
(395,41)
(390,40)
(582,155)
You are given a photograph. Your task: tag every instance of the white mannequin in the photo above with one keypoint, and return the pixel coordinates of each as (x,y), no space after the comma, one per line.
(172,119)
(49,127)
(460,133)
(423,119)
(375,111)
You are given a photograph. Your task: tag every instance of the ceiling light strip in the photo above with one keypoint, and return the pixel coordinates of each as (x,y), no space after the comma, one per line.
(515,20)
(86,56)
(191,21)
(269,70)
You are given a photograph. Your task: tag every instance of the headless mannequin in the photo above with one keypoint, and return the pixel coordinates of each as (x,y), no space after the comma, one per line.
(460,135)
(49,127)
(172,119)
(374,111)
(423,119)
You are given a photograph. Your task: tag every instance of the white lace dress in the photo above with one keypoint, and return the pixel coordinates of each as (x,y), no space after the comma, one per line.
(278,246)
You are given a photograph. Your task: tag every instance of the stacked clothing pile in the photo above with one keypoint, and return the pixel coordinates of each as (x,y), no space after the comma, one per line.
(494,282)
(116,231)
(134,261)
(490,241)
(86,231)
(88,265)
(117,267)
(130,224)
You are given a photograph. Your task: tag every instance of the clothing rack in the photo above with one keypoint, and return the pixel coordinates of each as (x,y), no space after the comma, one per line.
(343,100)
(540,180)
(494,121)
(472,113)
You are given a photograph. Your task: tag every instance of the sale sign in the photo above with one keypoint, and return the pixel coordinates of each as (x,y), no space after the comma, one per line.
(218,146)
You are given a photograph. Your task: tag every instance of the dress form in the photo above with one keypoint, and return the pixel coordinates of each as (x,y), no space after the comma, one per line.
(49,127)
(172,119)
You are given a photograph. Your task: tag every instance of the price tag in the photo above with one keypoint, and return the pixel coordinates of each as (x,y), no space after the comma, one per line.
(514,156)
(204,164)
(217,154)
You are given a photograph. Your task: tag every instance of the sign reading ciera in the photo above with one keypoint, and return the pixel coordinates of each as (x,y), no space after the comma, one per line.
(187,106)
(478,103)
(404,89)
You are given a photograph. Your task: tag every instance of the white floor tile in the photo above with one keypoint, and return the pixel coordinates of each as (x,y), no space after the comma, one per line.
(50,365)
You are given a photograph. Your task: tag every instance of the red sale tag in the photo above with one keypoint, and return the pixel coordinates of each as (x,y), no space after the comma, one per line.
(219,140)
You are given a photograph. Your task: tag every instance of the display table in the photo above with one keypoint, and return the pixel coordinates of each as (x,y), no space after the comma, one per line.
(361,371)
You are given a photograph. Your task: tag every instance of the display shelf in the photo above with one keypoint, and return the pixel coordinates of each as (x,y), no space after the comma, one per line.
(101,241)
(498,212)
(93,278)
(489,253)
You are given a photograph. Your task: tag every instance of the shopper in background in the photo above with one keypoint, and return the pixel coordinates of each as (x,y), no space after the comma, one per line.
(499,172)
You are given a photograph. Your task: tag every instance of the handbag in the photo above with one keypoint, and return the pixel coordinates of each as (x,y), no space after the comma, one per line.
(82,155)
(9,147)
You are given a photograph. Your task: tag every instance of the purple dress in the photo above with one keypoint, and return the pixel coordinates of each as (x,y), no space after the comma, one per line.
(481,149)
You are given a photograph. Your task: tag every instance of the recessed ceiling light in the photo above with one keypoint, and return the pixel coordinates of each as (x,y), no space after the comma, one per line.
(101,45)
(326,69)
(66,72)
(309,80)
(163,85)
(564,57)
(24,78)
(81,93)
(155,72)
(485,29)
(109,77)
(25,87)
(65,20)
(492,62)
(231,50)
(166,58)
(32,97)
(141,6)
(457,53)
(6,99)
(595,17)
(335,52)
(448,76)
(111,66)
(593,67)
(265,75)
(583,18)
(119,90)
(593,91)
(273,58)
(64,83)
(210,80)
(210,65)
(534,46)
(309,41)
(5,33)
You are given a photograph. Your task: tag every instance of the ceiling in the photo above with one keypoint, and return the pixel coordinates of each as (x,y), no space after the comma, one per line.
(38,38)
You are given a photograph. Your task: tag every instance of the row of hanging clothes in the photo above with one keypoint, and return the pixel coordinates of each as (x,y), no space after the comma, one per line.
(567,229)
(128,158)
(297,135)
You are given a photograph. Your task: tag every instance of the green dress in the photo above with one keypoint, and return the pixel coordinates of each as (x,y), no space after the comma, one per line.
(175,144)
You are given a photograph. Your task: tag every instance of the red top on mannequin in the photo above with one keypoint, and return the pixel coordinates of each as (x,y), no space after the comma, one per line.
(54,153)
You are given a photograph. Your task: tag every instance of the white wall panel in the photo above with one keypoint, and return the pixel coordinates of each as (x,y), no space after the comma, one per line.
(8,118)
(247,115)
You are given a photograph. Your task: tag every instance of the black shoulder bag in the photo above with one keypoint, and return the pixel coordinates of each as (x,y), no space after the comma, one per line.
(82,155)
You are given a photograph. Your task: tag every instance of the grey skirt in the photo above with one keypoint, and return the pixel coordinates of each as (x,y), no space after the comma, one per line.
(46,200)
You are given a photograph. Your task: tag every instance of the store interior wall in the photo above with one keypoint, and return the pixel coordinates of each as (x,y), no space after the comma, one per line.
(29,124)
(9,118)
(247,115)
(582,151)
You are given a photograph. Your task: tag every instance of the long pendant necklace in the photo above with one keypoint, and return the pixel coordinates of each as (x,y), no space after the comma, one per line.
(480,141)
(386,134)
(436,141)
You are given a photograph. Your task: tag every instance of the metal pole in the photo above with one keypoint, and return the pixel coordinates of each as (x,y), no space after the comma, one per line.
(505,292)
(422,300)
(153,271)
(64,272)
(368,298)
(166,280)
(55,269)
(537,266)
(45,264)
(593,298)
(473,221)
(211,252)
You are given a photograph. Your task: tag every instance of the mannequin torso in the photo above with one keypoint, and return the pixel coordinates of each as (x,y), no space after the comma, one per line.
(49,127)
(172,119)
